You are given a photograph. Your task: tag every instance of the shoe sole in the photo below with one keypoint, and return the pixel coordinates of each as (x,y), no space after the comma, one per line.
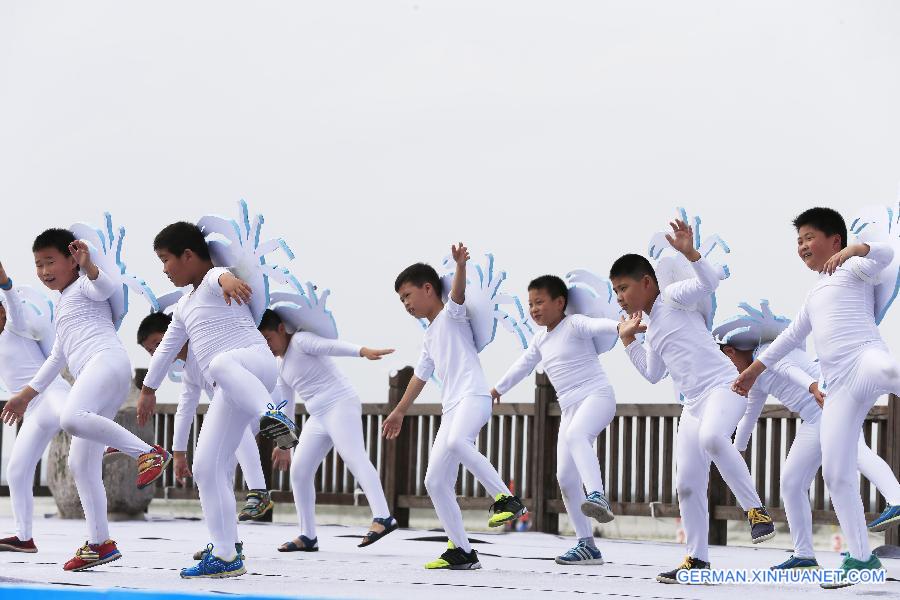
(275,430)
(661,579)
(886,524)
(249,517)
(590,561)
(8,548)
(507,520)
(102,561)
(225,575)
(162,470)
(594,510)
(387,530)
(763,538)
(465,567)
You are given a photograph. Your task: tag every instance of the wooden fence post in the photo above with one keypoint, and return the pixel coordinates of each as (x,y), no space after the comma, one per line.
(542,457)
(396,452)
(892,535)
(718,494)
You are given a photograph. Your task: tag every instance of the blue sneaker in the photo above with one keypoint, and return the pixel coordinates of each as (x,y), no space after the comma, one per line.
(275,425)
(581,554)
(890,516)
(213,567)
(796,563)
(597,506)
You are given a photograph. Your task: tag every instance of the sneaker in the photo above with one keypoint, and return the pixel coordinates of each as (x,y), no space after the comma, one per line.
(257,506)
(455,559)
(92,555)
(213,567)
(14,544)
(275,425)
(851,564)
(761,526)
(581,554)
(795,562)
(597,506)
(890,516)
(688,564)
(239,548)
(151,465)
(505,508)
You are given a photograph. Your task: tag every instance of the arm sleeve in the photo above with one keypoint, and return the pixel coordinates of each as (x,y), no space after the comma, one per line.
(15,313)
(184,415)
(790,368)
(789,339)
(524,365)
(455,311)
(867,267)
(52,367)
(172,343)
(696,288)
(588,327)
(311,343)
(99,289)
(755,402)
(283,392)
(212,279)
(425,367)
(646,361)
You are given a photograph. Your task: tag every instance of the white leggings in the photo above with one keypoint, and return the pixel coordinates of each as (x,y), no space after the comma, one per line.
(846,405)
(577,467)
(704,434)
(455,444)
(803,460)
(340,427)
(247,456)
(99,391)
(40,425)
(244,377)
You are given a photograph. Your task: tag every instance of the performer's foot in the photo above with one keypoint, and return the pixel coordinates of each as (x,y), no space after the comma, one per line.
(14,544)
(213,567)
(92,555)
(300,544)
(597,506)
(582,554)
(455,559)
(239,548)
(380,527)
(505,508)
(761,526)
(257,506)
(890,516)
(795,562)
(275,425)
(689,564)
(851,564)
(151,465)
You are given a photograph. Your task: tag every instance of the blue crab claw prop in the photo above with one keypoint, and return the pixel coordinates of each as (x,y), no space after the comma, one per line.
(305,311)
(106,252)
(593,296)
(236,245)
(38,314)
(751,329)
(881,224)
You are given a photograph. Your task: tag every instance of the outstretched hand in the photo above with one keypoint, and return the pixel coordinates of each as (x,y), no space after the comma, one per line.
(375,353)
(392,425)
(146,405)
(631,326)
(460,254)
(682,239)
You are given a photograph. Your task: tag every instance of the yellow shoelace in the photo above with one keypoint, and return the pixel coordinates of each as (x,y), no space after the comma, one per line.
(757,516)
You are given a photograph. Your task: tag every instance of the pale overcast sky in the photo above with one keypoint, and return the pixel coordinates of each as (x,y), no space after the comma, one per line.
(371,135)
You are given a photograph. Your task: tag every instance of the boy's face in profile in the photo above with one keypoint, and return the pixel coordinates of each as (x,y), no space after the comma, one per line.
(815,248)
(55,269)
(2,318)
(634,295)
(417,299)
(544,309)
(152,342)
(277,339)
(177,268)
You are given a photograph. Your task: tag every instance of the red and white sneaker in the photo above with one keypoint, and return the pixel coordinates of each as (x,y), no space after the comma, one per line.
(14,544)
(151,465)
(92,555)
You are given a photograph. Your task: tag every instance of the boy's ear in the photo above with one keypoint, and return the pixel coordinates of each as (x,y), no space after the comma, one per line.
(187,254)
(281,329)
(729,351)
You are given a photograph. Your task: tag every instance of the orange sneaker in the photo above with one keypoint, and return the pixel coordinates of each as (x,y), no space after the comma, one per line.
(151,465)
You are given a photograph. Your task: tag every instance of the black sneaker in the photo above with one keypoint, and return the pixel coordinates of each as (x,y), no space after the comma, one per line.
(505,509)
(689,563)
(258,505)
(455,559)
(761,526)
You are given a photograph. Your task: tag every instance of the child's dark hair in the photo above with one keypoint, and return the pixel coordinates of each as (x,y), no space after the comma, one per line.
(634,266)
(419,274)
(827,220)
(155,322)
(54,238)
(270,321)
(181,236)
(551,284)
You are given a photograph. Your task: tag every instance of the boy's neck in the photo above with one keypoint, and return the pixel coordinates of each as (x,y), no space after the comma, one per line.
(435,311)
(650,306)
(552,326)
(206,267)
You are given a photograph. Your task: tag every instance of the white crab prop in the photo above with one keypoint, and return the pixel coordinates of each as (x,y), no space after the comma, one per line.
(593,296)
(236,246)
(881,224)
(752,329)
(106,253)
(672,266)
(39,318)
(483,300)
(305,311)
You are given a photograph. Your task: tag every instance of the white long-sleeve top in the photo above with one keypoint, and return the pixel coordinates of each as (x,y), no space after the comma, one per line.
(308,371)
(84,327)
(839,311)
(788,381)
(569,357)
(211,325)
(20,357)
(678,340)
(448,349)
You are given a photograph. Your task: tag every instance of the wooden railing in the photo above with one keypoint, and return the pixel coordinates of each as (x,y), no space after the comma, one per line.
(636,454)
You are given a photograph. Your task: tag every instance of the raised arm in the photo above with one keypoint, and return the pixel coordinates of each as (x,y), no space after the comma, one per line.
(460,256)
(872,258)
(591,327)
(15,314)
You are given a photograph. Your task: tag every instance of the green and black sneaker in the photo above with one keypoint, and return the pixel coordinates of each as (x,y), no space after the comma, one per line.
(505,509)
(257,506)
(852,564)
(455,559)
